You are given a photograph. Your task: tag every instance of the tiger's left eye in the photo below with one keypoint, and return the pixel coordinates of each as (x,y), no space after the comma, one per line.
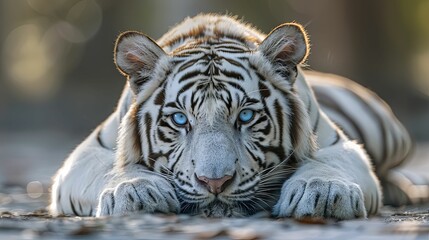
(246,115)
(179,119)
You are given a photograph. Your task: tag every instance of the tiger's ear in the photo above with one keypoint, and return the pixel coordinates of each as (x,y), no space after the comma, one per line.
(136,56)
(286,44)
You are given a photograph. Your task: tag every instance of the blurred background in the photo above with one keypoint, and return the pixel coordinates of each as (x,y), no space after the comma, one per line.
(58,80)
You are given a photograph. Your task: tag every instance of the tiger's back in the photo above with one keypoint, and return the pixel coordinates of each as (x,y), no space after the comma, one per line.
(364,117)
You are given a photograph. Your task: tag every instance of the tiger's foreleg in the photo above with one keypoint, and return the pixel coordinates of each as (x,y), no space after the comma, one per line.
(135,188)
(338,183)
(77,184)
(132,187)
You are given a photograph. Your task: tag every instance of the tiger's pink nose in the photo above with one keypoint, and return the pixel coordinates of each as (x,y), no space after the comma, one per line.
(215,185)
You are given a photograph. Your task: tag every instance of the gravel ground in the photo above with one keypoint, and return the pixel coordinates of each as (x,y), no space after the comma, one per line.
(23,215)
(16,222)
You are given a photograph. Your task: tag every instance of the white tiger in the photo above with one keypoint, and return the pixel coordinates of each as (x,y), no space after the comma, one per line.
(219,119)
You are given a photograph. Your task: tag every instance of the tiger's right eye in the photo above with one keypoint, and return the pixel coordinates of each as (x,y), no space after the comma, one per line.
(179,119)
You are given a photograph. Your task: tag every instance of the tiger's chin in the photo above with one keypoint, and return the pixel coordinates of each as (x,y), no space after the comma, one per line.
(219,209)
(216,209)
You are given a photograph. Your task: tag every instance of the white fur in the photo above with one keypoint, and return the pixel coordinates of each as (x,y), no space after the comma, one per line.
(328,176)
(138,190)
(82,178)
(104,181)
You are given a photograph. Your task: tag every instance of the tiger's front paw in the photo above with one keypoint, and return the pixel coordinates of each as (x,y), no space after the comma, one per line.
(320,198)
(140,194)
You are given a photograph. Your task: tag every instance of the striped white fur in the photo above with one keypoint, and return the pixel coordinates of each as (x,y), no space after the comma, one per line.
(290,158)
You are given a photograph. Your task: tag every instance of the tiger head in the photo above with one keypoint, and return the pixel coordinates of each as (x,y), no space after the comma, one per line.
(219,116)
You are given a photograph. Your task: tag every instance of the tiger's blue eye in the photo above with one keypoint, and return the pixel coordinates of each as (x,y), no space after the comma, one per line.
(179,118)
(246,115)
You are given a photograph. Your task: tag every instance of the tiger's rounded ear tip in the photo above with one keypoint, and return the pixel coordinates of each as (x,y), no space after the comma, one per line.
(121,37)
(126,35)
(296,29)
(134,52)
(293,26)
(129,33)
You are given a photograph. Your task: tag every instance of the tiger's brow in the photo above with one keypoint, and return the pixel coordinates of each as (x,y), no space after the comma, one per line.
(247,101)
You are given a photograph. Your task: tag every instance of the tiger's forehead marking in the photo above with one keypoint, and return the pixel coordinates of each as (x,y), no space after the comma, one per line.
(203,26)
(211,45)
